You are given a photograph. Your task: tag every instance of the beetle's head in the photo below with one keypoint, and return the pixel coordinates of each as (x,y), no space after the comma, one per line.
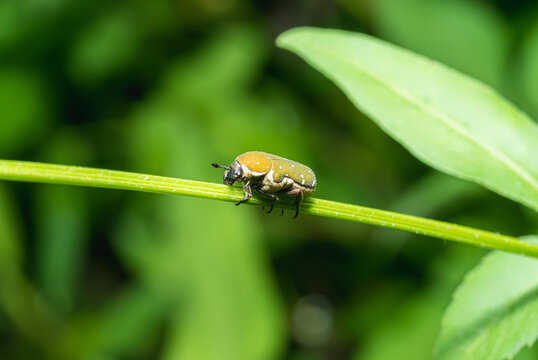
(232,173)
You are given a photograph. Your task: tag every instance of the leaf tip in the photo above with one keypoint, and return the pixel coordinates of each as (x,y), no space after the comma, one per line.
(285,39)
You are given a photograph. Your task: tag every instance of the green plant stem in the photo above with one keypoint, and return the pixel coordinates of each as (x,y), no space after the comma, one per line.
(83,176)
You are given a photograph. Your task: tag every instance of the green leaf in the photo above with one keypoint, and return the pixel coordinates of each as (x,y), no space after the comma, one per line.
(449,121)
(448,31)
(494,312)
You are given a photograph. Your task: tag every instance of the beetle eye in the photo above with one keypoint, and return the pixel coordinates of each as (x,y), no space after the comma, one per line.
(238,171)
(228,177)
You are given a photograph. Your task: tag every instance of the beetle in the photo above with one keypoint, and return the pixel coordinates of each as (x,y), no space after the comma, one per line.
(269,175)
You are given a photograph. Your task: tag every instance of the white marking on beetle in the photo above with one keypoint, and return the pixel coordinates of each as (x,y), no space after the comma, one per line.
(302,181)
(292,165)
(257,163)
(280,167)
(302,175)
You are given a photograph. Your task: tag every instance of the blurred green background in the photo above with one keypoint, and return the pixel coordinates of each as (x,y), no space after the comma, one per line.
(167,87)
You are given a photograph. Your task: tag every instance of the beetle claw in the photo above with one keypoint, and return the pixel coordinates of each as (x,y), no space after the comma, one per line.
(244,200)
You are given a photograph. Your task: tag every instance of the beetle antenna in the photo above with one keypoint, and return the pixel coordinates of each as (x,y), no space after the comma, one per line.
(219,166)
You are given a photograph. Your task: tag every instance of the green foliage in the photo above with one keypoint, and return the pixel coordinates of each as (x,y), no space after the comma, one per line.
(449,121)
(493,312)
(449,31)
(62,228)
(213,277)
(529,65)
(483,138)
(105,47)
(28,113)
(167,87)
(424,310)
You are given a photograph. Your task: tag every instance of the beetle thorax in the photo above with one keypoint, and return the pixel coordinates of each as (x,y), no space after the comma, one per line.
(247,173)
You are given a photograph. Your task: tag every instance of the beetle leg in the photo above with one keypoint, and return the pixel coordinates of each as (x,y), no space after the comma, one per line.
(298,200)
(248,193)
(282,212)
(275,199)
(272,196)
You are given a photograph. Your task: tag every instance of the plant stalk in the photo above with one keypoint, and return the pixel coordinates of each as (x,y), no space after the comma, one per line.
(83,176)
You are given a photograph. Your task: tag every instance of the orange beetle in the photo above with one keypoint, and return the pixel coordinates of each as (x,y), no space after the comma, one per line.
(270,175)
